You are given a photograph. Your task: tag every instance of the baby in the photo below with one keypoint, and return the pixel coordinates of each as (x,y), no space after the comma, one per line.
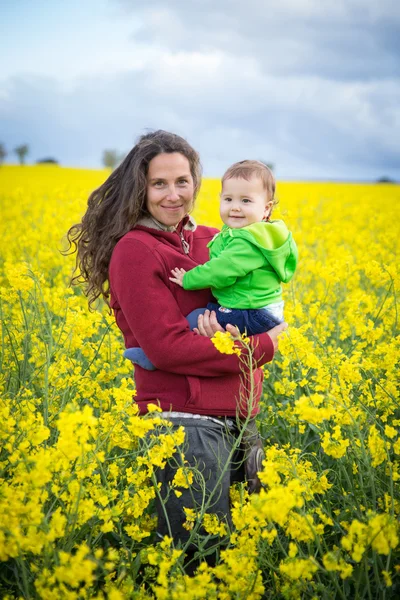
(249,259)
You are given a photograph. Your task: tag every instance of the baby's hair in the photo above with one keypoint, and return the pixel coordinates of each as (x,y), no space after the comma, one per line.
(246,169)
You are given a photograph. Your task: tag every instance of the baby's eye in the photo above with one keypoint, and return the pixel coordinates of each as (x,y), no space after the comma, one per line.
(246,200)
(228,199)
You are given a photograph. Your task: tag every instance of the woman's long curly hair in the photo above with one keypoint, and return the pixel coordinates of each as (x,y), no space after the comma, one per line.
(115,208)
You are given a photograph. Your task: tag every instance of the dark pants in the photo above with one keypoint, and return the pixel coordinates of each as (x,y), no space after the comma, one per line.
(251,321)
(207,447)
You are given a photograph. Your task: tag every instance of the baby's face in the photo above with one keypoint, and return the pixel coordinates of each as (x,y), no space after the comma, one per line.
(243,202)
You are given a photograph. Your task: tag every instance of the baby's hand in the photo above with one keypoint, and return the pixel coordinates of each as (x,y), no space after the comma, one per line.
(177,276)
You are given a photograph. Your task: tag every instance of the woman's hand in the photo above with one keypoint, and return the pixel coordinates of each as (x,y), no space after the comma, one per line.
(178,275)
(207,324)
(275,332)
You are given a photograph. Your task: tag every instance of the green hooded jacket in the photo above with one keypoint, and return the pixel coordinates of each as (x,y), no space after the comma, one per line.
(247,265)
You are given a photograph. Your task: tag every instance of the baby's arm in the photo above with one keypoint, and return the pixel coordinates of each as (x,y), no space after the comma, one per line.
(237,259)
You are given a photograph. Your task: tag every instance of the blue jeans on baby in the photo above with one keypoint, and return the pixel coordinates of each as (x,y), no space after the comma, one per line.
(251,321)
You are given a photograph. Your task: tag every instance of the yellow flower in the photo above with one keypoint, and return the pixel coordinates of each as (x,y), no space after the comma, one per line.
(225,343)
(213,525)
(388,579)
(299,568)
(190,518)
(183,478)
(390,432)
(138,426)
(77,455)
(153,408)
(377,447)
(334,444)
(381,532)
(333,562)
(57,525)
(302,527)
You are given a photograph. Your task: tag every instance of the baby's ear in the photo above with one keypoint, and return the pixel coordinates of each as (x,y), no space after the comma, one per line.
(268,210)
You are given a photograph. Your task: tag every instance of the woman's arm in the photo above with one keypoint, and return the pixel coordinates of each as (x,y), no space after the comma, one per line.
(208,325)
(139,283)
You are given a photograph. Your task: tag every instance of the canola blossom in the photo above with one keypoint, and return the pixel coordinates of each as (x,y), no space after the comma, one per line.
(78,485)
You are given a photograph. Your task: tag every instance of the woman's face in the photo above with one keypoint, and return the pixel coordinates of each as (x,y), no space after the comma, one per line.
(170,188)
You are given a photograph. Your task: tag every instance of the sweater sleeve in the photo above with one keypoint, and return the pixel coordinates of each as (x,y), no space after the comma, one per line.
(236,260)
(138,282)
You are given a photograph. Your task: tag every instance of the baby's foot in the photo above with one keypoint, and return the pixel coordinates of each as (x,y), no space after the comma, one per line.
(138,357)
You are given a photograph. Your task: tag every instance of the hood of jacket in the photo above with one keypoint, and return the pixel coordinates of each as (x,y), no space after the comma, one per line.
(274,240)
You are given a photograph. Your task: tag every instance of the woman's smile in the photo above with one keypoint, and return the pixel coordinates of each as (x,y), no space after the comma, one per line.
(177,207)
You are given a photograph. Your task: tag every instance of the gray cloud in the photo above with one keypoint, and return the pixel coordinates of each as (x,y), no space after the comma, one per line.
(343,39)
(307,127)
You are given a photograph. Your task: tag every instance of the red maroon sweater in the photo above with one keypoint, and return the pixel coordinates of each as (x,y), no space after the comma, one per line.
(191,376)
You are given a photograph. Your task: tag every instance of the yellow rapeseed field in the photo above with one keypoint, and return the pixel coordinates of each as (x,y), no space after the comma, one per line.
(77,468)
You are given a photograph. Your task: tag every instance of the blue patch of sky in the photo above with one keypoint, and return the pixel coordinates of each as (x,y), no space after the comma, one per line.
(62,39)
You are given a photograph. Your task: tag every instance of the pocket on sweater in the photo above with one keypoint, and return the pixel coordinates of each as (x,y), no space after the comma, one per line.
(194,391)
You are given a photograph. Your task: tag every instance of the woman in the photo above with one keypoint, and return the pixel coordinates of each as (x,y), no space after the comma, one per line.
(136,229)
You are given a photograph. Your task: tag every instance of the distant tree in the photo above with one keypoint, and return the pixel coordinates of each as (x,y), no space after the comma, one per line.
(47,161)
(111,159)
(385,180)
(21,152)
(3,153)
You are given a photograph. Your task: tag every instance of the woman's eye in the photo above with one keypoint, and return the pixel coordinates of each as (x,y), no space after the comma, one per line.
(158,184)
(182,181)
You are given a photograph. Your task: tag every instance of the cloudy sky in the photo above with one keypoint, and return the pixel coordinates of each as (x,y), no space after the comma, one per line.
(311,86)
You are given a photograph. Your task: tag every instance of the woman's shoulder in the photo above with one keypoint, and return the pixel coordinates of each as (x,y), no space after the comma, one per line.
(137,235)
(203,231)
(134,246)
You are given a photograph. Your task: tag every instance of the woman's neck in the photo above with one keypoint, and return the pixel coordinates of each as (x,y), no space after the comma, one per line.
(152,223)
(149,221)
